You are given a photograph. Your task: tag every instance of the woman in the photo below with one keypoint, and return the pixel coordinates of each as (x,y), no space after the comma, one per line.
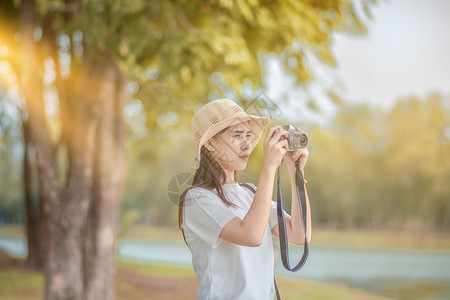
(226,226)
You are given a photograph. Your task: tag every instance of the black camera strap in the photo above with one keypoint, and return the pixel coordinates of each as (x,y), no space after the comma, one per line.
(301,198)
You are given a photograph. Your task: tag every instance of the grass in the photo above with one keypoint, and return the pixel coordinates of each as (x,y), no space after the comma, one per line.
(16,283)
(160,271)
(154,233)
(383,239)
(19,283)
(11,230)
(302,289)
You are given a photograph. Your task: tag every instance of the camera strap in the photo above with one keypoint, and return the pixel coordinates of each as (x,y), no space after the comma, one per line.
(301,198)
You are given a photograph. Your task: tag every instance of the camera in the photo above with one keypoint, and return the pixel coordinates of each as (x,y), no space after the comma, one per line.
(296,140)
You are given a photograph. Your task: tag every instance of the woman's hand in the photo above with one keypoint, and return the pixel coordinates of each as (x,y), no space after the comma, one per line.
(274,149)
(291,157)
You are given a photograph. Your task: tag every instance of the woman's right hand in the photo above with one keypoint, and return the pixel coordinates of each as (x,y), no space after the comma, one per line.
(274,149)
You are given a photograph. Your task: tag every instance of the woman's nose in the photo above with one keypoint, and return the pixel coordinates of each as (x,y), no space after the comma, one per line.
(246,144)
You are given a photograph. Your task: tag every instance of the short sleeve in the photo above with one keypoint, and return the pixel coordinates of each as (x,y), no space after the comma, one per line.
(273,219)
(205,215)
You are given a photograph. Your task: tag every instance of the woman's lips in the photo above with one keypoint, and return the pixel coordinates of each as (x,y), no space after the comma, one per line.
(244,157)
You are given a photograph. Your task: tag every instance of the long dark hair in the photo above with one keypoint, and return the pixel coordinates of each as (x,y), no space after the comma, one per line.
(210,175)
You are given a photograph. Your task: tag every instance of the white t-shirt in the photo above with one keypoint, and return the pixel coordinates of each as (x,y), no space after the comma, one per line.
(226,270)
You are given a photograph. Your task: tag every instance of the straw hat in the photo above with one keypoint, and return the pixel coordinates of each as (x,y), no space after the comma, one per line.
(219,114)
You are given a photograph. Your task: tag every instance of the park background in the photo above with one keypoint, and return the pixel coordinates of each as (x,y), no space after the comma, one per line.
(369,82)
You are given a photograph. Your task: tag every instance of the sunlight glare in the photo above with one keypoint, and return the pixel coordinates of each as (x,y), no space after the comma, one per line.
(4,51)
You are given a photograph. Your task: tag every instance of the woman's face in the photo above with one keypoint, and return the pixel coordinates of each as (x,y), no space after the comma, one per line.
(232,147)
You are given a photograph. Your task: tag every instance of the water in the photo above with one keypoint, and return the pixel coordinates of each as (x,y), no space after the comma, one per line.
(387,272)
(165,252)
(14,245)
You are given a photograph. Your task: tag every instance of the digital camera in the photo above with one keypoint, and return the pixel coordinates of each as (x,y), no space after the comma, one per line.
(296,140)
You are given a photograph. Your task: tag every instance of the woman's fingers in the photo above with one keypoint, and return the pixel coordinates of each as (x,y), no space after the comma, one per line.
(277,135)
(271,131)
(274,148)
(297,153)
(274,134)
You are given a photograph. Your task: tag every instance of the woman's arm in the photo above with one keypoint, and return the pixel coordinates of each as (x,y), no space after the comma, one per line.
(250,230)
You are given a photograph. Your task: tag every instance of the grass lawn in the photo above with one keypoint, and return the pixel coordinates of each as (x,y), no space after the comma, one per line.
(17,283)
(144,281)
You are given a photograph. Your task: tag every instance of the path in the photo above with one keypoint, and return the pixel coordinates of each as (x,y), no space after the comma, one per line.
(160,288)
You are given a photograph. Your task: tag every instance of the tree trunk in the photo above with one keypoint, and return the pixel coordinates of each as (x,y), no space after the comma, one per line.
(30,220)
(79,215)
(36,131)
(101,229)
(35,259)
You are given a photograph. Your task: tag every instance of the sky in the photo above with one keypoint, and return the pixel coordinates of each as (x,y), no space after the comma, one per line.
(405,52)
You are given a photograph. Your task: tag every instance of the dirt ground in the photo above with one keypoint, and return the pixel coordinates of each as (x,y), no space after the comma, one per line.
(159,288)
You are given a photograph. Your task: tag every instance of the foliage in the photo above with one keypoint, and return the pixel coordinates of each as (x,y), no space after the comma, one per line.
(172,49)
(383,169)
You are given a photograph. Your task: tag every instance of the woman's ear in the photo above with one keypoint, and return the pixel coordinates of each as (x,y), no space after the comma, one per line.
(209,146)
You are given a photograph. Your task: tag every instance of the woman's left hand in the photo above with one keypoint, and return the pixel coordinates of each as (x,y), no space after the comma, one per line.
(292,156)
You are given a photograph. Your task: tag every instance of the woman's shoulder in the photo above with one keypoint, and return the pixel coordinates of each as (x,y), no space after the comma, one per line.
(249,187)
(195,193)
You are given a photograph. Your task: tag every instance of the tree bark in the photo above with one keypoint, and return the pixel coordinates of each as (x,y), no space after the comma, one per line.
(35,254)
(101,229)
(65,276)
(31,88)
(79,216)
(63,261)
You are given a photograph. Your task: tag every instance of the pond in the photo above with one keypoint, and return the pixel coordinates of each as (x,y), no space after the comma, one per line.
(393,273)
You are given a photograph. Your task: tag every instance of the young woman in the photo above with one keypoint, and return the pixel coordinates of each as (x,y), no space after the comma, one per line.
(226,226)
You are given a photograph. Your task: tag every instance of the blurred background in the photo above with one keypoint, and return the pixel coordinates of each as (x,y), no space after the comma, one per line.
(96,99)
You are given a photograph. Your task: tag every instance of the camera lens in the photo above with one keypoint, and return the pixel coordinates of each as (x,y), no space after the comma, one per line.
(299,140)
